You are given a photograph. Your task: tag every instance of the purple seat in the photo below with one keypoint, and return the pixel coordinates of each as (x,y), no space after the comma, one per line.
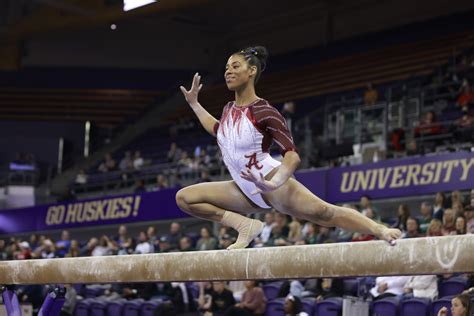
(351,287)
(116,307)
(82,307)
(307,305)
(275,307)
(438,304)
(194,289)
(98,308)
(329,307)
(416,306)
(149,308)
(94,292)
(452,286)
(386,307)
(132,308)
(271,290)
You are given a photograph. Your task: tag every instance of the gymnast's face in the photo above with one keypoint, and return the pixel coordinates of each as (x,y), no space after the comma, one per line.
(238,73)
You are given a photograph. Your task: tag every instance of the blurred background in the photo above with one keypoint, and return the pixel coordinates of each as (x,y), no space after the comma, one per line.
(96,138)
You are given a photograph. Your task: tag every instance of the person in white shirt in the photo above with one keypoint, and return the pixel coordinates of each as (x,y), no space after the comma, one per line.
(422,286)
(144,246)
(388,286)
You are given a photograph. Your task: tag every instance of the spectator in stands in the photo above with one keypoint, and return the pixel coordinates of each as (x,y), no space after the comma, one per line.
(342,234)
(439,206)
(277,237)
(108,164)
(225,241)
(268,224)
(218,301)
(104,248)
(435,228)
(204,176)
(325,235)
(422,286)
(466,98)
(175,234)
(165,245)
(464,126)
(126,163)
(253,301)
(311,234)
(469,215)
(124,242)
(293,306)
(174,153)
(62,246)
(295,231)
(281,220)
(328,288)
(70,301)
(388,286)
(74,249)
(139,186)
(288,112)
(412,148)
(25,251)
(460,225)
(449,222)
(138,161)
(365,204)
(412,228)
(426,217)
(461,305)
(143,245)
(152,237)
(403,215)
(455,198)
(186,244)
(89,247)
(3,250)
(161,183)
(46,250)
(371,95)
(429,125)
(207,241)
(81,177)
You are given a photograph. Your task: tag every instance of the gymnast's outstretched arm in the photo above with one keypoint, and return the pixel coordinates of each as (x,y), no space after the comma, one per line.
(207,120)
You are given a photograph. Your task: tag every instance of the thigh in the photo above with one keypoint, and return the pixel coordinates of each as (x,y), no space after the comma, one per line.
(223,194)
(295,199)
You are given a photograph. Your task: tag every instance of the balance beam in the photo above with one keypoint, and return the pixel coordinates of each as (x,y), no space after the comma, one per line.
(436,255)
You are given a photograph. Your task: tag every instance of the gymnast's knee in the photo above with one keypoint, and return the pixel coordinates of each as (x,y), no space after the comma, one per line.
(182,200)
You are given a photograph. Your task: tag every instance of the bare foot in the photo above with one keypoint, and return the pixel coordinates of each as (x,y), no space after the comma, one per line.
(390,235)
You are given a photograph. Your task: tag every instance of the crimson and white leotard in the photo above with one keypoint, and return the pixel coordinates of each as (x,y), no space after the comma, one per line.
(244,135)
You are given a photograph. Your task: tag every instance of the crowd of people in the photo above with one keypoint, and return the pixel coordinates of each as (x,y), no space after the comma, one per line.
(452,215)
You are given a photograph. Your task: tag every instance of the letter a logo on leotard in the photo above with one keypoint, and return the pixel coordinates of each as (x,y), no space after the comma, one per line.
(253,162)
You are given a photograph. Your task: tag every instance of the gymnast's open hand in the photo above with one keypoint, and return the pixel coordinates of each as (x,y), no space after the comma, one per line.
(263,185)
(191,96)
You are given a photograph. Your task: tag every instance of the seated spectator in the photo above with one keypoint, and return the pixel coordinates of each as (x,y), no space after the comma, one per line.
(62,246)
(412,148)
(124,242)
(161,183)
(104,248)
(152,237)
(268,224)
(439,206)
(3,250)
(288,112)
(207,241)
(388,286)
(413,229)
(81,177)
(165,245)
(461,305)
(25,251)
(204,177)
(70,301)
(429,125)
(225,241)
(464,127)
(311,234)
(143,245)
(138,161)
(47,249)
(108,164)
(466,98)
(456,198)
(175,235)
(426,217)
(174,153)
(365,204)
(469,216)
(403,215)
(277,237)
(460,225)
(295,231)
(293,306)
(449,222)
(371,95)
(184,164)
(139,186)
(325,235)
(281,220)
(217,301)
(86,251)
(185,244)
(328,288)
(422,286)
(435,228)
(253,301)
(126,163)
(74,249)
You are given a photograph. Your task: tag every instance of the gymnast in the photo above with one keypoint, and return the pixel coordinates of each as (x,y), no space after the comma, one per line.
(245,131)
